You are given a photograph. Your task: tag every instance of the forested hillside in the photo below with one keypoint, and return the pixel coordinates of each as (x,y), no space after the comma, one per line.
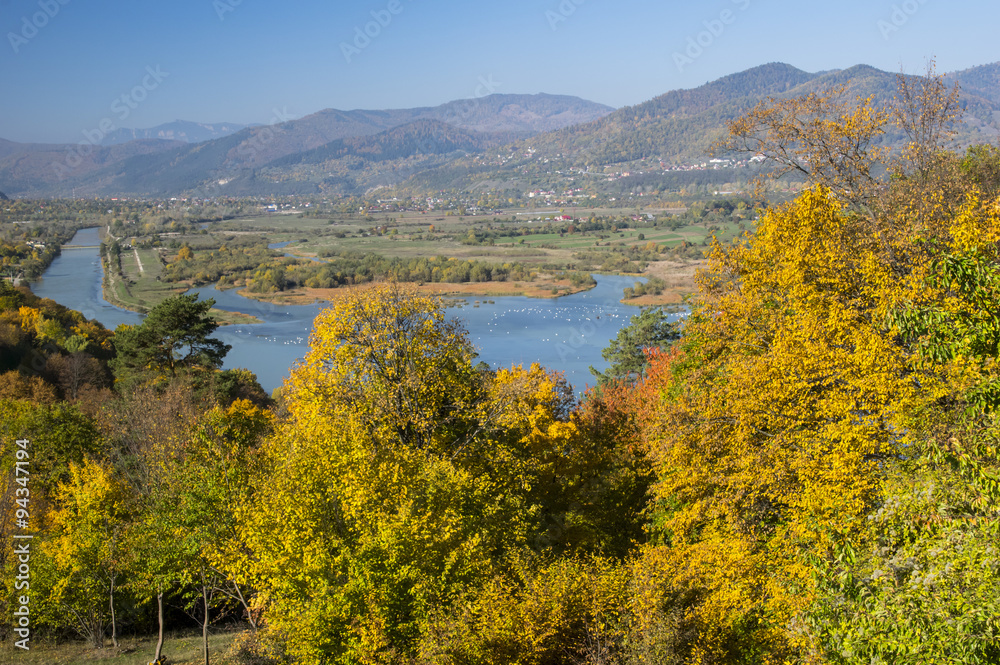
(805,471)
(175,167)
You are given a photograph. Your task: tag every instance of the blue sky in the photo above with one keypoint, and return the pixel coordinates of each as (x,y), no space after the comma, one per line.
(65,64)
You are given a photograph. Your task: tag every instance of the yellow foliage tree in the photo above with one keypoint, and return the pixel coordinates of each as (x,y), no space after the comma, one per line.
(787,410)
(403,476)
(86,556)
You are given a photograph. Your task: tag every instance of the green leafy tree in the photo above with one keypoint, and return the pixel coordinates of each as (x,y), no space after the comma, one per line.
(207,487)
(174,336)
(922,583)
(405,476)
(650,329)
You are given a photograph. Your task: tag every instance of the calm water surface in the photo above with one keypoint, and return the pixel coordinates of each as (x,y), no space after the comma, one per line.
(565,334)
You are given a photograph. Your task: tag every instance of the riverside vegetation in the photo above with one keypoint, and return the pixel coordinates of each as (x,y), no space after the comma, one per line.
(807,472)
(485,255)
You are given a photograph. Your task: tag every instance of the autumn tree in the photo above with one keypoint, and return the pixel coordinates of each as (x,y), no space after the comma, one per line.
(385,524)
(650,329)
(821,367)
(209,485)
(925,109)
(823,137)
(59,436)
(844,144)
(86,553)
(919,583)
(779,424)
(144,431)
(75,372)
(406,476)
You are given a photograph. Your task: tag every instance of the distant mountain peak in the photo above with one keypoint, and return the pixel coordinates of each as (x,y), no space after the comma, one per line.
(770,68)
(178,130)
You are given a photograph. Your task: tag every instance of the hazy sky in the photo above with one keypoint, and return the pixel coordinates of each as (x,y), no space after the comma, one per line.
(67,66)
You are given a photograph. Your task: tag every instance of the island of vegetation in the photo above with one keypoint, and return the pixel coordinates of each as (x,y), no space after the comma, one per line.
(304,256)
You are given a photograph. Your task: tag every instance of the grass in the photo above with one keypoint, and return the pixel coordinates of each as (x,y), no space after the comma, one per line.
(180,648)
(140,291)
(535,249)
(410,238)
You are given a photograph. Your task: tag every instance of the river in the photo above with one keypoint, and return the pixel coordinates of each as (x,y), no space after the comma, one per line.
(566,334)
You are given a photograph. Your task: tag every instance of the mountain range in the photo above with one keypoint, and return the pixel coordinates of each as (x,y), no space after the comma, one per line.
(681,126)
(489,142)
(178,130)
(162,166)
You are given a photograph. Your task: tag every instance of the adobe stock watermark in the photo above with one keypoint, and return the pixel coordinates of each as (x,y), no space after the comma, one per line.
(122,108)
(364,35)
(31,26)
(487,86)
(900,16)
(23,615)
(562,13)
(714,28)
(223,7)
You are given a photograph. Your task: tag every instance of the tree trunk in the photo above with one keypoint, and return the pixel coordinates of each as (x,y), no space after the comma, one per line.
(204,625)
(114,626)
(239,593)
(159,616)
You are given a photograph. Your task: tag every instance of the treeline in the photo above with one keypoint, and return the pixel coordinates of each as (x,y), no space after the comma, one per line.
(602,226)
(234,259)
(352,268)
(622,258)
(260,270)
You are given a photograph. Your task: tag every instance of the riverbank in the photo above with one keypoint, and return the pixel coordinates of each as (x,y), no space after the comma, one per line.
(566,334)
(138,288)
(543,288)
(679,277)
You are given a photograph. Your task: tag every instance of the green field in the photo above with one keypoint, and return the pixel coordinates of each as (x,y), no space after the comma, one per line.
(547,249)
(139,289)
(310,237)
(180,648)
